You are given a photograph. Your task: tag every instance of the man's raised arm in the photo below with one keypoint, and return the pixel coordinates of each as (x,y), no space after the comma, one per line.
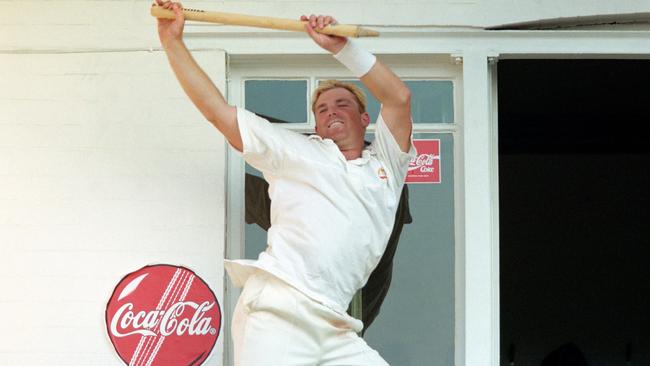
(197,85)
(389,89)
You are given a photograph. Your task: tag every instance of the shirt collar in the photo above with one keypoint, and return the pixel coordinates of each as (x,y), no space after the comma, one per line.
(366,154)
(365,157)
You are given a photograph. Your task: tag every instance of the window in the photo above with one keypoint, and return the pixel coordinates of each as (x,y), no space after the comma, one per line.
(424,272)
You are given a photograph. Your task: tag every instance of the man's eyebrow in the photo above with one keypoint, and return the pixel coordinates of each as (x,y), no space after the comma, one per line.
(336,101)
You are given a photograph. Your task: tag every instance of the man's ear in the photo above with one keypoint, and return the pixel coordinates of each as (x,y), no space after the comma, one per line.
(365,119)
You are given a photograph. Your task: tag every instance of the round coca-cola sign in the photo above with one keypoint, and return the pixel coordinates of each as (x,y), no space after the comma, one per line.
(163,315)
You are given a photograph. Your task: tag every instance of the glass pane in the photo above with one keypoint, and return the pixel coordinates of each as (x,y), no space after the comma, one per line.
(432,101)
(277,100)
(416,323)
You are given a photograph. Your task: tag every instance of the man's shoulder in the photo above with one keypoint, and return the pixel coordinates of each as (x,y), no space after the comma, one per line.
(262,124)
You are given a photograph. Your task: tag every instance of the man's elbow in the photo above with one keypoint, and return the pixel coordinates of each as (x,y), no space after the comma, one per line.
(405,96)
(402,97)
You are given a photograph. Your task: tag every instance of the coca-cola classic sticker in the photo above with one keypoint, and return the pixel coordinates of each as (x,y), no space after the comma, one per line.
(163,315)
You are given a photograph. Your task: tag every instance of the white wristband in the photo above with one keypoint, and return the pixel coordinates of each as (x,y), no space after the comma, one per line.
(355,58)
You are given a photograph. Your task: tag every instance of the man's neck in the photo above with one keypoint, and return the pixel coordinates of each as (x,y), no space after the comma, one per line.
(351,153)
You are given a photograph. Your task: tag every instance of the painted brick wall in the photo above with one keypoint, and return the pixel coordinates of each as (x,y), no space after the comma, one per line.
(105,167)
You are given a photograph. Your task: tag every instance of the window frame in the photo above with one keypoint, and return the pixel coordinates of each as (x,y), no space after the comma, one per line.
(318,67)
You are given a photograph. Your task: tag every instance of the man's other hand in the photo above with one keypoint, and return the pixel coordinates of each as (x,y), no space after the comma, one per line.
(170,30)
(333,44)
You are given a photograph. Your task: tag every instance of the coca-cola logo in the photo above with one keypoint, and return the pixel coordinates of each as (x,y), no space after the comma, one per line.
(425,166)
(422,163)
(163,315)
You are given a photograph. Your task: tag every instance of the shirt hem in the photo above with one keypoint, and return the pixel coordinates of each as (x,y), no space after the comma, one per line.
(240,269)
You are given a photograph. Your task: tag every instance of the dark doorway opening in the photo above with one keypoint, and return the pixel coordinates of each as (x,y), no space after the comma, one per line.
(574,187)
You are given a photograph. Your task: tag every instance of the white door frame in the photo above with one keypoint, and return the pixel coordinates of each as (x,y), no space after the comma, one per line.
(481,331)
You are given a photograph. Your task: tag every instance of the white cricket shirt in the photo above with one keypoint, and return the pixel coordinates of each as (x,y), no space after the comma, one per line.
(330,218)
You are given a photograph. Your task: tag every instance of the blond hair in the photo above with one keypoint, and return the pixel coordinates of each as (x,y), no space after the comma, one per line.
(333,84)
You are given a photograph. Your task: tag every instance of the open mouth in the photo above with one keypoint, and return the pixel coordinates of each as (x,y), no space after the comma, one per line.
(334,123)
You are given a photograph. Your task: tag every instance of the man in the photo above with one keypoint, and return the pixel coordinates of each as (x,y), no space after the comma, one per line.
(334,202)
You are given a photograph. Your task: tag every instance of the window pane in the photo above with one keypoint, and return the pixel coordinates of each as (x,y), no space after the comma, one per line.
(423,276)
(277,100)
(432,101)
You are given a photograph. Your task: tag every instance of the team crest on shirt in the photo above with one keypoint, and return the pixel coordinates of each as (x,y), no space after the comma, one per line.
(381,173)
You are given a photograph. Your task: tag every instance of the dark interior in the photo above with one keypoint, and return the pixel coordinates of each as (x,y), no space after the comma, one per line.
(574,179)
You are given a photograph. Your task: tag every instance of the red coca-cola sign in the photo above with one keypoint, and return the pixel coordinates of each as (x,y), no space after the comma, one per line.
(425,167)
(163,315)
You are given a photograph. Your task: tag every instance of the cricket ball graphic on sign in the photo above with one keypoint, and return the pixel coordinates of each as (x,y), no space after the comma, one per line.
(163,315)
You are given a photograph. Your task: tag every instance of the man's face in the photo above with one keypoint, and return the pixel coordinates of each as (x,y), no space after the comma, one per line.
(338,117)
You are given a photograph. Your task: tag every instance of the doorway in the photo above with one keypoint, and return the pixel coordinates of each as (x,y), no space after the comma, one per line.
(574,172)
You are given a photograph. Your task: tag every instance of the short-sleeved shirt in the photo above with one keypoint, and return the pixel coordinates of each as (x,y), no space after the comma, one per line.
(373,293)
(330,217)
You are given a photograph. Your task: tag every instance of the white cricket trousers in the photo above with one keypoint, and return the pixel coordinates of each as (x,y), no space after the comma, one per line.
(276,325)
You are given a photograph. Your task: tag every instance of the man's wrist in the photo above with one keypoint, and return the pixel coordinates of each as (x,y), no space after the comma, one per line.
(355,58)
(172,43)
(337,47)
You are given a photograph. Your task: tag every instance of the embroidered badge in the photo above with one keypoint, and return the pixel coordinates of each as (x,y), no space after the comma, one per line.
(382,174)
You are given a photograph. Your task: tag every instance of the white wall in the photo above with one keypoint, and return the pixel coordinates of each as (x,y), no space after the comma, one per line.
(104,167)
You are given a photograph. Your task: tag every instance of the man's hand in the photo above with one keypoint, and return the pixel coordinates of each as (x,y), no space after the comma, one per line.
(170,30)
(333,44)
